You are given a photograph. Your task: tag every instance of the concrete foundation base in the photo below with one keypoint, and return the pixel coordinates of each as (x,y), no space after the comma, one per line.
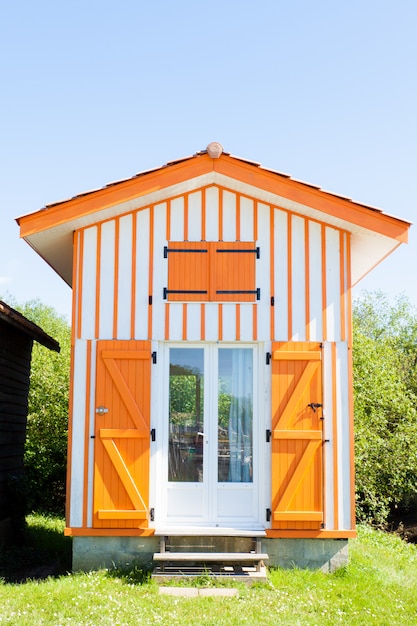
(326,555)
(90,553)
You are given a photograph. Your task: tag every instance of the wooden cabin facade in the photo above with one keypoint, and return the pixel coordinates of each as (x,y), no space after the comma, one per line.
(17,335)
(211,371)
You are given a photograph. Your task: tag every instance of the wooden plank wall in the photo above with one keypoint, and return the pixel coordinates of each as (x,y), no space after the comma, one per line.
(15,356)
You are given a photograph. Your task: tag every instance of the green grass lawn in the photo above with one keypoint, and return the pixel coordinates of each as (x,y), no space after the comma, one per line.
(378,587)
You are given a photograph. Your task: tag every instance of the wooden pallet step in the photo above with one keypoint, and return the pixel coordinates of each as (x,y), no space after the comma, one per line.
(229,557)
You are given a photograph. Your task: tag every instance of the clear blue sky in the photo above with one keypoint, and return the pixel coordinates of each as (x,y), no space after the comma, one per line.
(95,91)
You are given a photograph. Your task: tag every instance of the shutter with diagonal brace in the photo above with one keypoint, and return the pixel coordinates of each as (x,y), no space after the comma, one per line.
(122,434)
(297,439)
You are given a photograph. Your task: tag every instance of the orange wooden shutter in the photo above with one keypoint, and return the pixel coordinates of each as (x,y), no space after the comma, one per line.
(233,271)
(122,434)
(297,440)
(188,271)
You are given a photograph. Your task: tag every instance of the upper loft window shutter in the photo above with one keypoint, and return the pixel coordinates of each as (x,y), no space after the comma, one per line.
(234,275)
(188,271)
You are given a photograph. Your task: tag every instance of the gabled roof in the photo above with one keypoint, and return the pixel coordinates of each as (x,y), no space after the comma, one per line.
(25,326)
(374,234)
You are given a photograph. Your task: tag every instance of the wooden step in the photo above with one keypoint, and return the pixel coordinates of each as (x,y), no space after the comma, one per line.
(208,531)
(217,557)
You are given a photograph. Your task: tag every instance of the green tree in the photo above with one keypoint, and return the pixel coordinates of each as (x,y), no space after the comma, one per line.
(384,371)
(47,428)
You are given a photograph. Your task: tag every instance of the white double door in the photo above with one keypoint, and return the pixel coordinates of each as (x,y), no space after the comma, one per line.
(208,455)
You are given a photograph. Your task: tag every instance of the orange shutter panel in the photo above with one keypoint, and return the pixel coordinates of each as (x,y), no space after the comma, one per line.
(188,271)
(233,271)
(122,434)
(297,439)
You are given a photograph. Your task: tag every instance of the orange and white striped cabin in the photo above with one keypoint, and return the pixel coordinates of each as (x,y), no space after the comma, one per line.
(211,368)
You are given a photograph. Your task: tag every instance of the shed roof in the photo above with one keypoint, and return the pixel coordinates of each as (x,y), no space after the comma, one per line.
(19,321)
(374,234)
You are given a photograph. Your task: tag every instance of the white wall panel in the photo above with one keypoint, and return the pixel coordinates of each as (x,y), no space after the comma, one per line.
(90,469)
(88,295)
(142,274)
(212,214)
(229,216)
(193,322)
(344,435)
(177,219)
(175,321)
(211,322)
(246,322)
(77,439)
(316,282)
(124,299)
(263,273)
(328,411)
(194,216)
(160,272)
(281,275)
(298,279)
(107,280)
(229,322)
(333,284)
(246,219)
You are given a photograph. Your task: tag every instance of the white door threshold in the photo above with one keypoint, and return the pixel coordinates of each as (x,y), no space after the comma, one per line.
(208,531)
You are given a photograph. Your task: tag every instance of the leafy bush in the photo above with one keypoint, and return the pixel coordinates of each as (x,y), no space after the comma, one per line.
(385,384)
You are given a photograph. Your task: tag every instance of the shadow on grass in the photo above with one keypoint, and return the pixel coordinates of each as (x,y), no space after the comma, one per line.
(132,574)
(41,552)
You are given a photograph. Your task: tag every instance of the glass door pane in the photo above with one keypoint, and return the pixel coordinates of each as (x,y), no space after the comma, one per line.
(186,415)
(235,411)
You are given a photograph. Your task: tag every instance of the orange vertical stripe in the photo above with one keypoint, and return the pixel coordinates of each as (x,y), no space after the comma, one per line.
(289,278)
(86,433)
(150,280)
(335,455)
(237,322)
(220,214)
(324,281)
(255,220)
(116,276)
(98,279)
(167,320)
(220,315)
(255,322)
(186,217)
(203,214)
(80,285)
(307,275)
(184,321)
(272,267)
(133,301)
(342,288)
(202,322)
(350,378)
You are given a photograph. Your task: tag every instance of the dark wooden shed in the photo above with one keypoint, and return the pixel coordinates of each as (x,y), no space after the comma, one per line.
(17,335)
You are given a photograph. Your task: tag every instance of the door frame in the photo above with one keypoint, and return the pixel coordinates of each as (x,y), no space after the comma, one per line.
(261,451)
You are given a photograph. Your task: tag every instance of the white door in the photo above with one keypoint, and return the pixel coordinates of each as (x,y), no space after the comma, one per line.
(209,457)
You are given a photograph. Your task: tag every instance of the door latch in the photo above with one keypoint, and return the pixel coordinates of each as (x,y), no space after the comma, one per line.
(315,406)
(101,410)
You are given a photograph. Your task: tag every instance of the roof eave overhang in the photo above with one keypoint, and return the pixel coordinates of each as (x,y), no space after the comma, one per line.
(50,231)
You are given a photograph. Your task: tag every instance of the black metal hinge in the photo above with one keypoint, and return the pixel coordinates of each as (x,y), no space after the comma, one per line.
(272,301)
(268,434)
(154,357)
(268,515)
(152,514)
(153,434)
(268,358)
